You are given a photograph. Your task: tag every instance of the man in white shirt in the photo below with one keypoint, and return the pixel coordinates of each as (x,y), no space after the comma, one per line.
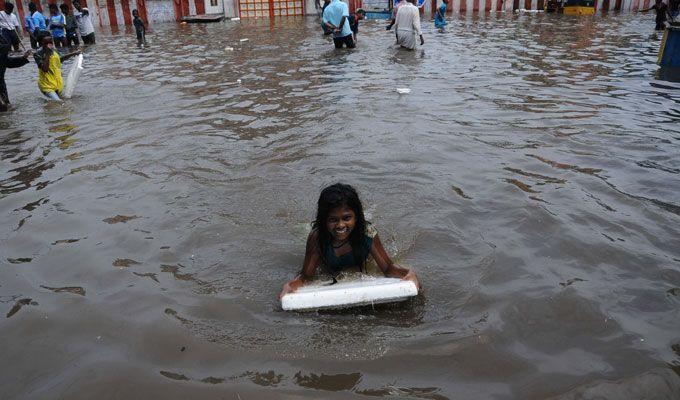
(9,24)
(407,25)
(84,23)
(395,10)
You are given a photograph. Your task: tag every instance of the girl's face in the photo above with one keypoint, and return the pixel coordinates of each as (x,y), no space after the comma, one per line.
(340,223)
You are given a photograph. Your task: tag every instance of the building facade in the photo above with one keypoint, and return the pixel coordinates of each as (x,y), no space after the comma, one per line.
(119,12)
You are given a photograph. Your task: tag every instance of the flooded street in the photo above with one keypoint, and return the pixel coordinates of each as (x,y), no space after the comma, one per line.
(531,178)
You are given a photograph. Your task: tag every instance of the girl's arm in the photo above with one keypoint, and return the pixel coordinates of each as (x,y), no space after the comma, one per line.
(69,55)
(389,268)
(312,260)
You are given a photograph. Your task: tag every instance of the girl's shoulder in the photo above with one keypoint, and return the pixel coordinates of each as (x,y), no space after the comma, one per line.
(313,233)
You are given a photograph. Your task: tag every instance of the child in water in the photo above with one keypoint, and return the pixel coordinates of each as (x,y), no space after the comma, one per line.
(341,239)
(49,61)
(140,29)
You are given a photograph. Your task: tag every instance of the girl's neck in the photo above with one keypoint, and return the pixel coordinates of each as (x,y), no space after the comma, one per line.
(336,244)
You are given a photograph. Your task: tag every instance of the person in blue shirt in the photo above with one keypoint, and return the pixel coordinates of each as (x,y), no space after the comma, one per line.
(58,26)
(39,20)
(30,26)
(326,29)
(336,17)
(440,16)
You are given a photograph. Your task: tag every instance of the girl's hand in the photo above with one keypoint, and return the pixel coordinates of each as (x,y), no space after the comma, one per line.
(72,54)
(286,289)
(291,287)
(411,276)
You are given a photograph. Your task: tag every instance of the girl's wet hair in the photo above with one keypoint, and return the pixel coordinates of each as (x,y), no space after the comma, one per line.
(332,197)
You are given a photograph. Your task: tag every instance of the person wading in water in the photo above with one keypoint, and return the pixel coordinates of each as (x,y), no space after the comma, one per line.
(8,62)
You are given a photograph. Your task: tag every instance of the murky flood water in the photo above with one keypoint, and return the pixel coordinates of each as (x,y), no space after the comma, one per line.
(530,178)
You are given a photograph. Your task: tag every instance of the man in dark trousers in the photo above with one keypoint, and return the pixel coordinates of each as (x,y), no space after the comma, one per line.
(8,62)
(335,17)
(661,14)
(673,9)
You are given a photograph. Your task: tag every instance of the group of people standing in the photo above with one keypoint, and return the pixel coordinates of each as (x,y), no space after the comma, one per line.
(337,20)
(65,27)
(50,36)
(61,29)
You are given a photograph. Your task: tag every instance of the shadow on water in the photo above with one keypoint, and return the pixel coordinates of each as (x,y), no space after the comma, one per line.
(670,74)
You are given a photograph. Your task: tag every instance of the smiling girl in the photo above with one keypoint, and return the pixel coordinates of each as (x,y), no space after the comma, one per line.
(342,239)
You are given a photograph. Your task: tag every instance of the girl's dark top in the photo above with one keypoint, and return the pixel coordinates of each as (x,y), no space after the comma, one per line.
(337,264)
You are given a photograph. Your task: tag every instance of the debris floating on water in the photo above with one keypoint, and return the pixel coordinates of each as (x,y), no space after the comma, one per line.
(70,289)
(244,40)
(228,48)
(124,262)
(403,90)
